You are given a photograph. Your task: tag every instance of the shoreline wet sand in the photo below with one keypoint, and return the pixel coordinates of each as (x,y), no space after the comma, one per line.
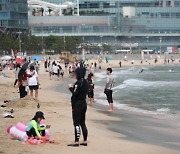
(137,127)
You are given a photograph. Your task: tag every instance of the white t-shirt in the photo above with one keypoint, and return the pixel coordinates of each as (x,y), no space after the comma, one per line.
(109,81)
(33,80)
(55,69)
(50,68)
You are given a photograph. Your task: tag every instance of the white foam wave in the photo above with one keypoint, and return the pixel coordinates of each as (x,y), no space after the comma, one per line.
(131,70)
(100,75)
(127,107)
(156,114)
(141,83)
(163,110)
(121,86)
(101,94)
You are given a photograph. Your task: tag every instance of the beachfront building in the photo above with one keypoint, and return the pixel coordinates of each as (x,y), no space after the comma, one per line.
(126,24)
(13,16)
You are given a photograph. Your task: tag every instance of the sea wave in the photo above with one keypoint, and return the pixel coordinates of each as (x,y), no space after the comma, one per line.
(127,107)
(100,75)
(143,83)
(162,113)
(163,110)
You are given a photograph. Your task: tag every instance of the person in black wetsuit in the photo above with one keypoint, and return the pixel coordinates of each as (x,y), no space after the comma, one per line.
(90,89)
(79,106)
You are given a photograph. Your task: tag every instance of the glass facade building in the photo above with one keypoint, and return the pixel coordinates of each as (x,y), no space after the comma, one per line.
(124,23)
(14,15)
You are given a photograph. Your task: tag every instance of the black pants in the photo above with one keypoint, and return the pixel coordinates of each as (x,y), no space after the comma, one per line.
(109,93)
(15,82)
(32,133)
(22,91)
(79,116)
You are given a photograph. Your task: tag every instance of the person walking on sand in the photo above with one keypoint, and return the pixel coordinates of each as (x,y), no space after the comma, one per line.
(108,91)
(79,106)
(33,82)
(60,71)
(55,70)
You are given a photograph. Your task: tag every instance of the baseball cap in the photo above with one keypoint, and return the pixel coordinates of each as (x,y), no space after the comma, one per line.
(40,114)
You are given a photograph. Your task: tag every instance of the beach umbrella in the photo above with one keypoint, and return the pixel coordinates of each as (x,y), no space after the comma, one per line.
(35,57)
(22,70)
(19,61)
(6,57)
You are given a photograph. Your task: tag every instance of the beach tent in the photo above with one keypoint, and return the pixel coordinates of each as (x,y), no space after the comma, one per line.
(6,57)
(35,57)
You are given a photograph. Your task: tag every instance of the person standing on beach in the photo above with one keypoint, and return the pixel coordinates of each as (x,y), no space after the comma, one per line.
(108,91)
(45,65)
(33,82)
(23,84)
(50,69)
(16,73)
(95,65)
(79,106)
(120,64)
(90,89)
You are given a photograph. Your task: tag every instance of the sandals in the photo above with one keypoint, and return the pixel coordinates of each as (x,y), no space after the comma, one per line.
(11,111)
(73,145)
(9,116)
(83,144)
(7,101)
(3,105)
(77,144)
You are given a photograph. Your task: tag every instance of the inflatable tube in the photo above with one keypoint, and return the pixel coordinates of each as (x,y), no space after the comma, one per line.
(17,134)
(8,129)
(21,126)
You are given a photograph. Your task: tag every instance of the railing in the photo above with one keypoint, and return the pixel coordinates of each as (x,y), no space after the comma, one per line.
(115,34)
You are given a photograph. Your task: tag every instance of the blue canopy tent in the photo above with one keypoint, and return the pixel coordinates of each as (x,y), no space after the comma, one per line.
(35,57)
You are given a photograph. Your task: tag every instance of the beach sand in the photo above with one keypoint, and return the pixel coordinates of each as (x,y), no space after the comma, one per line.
(57,109)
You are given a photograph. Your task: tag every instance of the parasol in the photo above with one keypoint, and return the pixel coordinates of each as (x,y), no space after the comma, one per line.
(19,61)
(22,71)
(6,57)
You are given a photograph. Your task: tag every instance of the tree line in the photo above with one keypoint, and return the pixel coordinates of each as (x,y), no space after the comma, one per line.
(33,44)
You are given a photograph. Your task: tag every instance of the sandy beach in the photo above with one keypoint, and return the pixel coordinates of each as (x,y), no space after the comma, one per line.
(57,109)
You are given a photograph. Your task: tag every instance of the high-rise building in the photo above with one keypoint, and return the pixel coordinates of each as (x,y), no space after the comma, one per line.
(13,15)
(134,24)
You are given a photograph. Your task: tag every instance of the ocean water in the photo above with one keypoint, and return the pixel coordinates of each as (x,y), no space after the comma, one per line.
(154,91)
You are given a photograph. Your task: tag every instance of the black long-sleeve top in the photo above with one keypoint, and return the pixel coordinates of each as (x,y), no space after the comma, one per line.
(79,90)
